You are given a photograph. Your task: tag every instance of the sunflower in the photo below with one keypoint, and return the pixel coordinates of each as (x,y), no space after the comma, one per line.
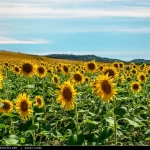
(101,67)
(148,71)
(115,65)
(65,69)
(7,106)
(111,71)
(55,79)
(121,65)
(39,101)
(134,71)
(66,96)
(142,77)
(128,78)
(23,106)
(104,87)
(77,77)
(135,87)
(91,66)
(28,69)
(86,79)
(121,80)
(41,71)
(16,69)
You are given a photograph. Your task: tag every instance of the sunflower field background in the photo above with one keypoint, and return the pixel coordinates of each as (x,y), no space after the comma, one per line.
(47,101)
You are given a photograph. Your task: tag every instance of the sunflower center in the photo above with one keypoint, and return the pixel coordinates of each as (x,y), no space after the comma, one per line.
(27,68)
(6,106)
(41,70)
(121,65)
(49,71)
(91,66)
(65,68)
(67,94)
(116,65)
(58,70)
(133,71)
(106,87)
(110,72)
(142,77)
(39,101)
(16,69)
(148,71)
(86,79)
(56,80)
(77,77)
(128,79)
(24,106)
(135,86)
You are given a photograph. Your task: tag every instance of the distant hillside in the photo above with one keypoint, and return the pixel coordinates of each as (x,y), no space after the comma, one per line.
(93,57)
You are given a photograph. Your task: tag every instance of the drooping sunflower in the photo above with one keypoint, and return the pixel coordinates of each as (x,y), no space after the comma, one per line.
(39,101)
(111,71)
(66,96)
(91,66)
(16,69)
(142,77)
(7,106)
(28,69)
(135,86)
(104,87)
(23,106)
(55,79)
(77,77)
(41,71)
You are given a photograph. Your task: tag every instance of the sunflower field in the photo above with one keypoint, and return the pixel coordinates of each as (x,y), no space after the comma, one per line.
(73,103)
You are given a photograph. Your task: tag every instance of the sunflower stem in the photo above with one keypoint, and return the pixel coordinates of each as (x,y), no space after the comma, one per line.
(33,131)
(115,123)
(76,114)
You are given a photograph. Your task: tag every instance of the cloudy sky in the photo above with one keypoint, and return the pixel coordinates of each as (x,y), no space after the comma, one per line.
(107,28)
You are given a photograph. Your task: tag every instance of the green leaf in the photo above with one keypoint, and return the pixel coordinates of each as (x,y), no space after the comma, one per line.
(91,122)
(131,122)
(12,140)
(106,133)
(8,115)
(22,140)
(110,120)
(2,126)
(34,126)
(120,110)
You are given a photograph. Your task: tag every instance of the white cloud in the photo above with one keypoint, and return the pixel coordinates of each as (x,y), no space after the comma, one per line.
(5,40)
(27,10)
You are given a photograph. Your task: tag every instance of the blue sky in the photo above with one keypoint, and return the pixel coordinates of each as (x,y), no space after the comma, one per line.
(107,28)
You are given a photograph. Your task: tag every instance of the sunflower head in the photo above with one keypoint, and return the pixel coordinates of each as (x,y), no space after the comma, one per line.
(65,69)
(148,70)
(86,79)
(104,87)
(135,87)
(142,77)
(39,101)
(66,95)
(115,65)
(16,69)
(23,106)
(7,106)
(91,66)
(111,71)
(28,69)
(77,77)
(134,71)
(55,79)
(41,71)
